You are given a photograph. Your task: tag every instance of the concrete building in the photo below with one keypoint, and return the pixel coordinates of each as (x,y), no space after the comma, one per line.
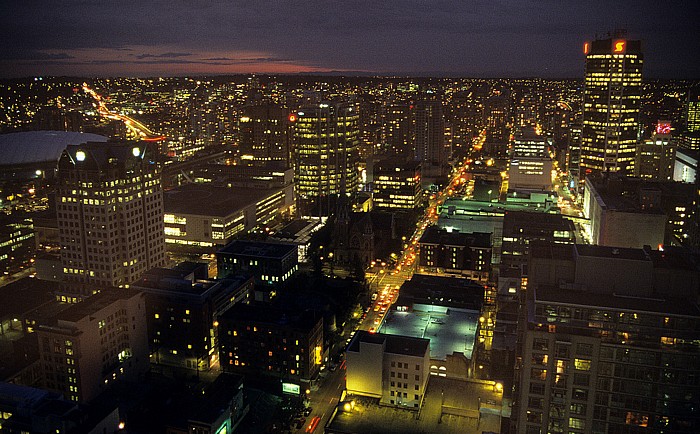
(611,102)
(17,245)
(95,343)
(182,309)
(109,205)
(397,185)
(230,212)
(610,343)
(630,212)
(685,168)
(256,339)
(530,165)
(521,228)
(393,368)
(397,128)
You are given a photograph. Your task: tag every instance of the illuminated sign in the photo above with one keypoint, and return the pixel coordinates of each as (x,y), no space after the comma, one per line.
(292,118)
(292,388)
(619,46)
(663,128)
(586,48)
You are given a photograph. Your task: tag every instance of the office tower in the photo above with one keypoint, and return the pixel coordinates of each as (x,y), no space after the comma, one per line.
(430,137)
(690,135)
(530,164)
(656,156)
(609,342)
(574,151)
(264,134)
(94,343)
(109,204)
(396,134)
(326,140)
(397,185)
(611,102)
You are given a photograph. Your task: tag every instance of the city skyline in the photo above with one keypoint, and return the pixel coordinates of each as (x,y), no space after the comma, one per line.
(498,39)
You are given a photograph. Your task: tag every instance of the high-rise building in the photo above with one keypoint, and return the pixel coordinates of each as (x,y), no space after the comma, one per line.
(530,164)
(656,156)
(611,102)
(109,204)
(264,132)
(690,135)
(497,114)
(609,342)
(397,185)
(430,137)
(326,140)
(396,134)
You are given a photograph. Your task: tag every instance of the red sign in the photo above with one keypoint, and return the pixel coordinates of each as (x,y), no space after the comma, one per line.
(619,46)
(663,128)
(292,118)
(586,48)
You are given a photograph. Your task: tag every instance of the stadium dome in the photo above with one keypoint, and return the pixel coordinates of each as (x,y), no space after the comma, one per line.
(39,147)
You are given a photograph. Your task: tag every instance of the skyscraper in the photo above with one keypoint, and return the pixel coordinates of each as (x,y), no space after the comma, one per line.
(430,137)
(690,135)
(109,204)
(326,139)
(264,132)
(611,101)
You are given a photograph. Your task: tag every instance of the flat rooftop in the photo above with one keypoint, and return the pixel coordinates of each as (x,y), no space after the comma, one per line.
(24,295)
(544,294)
(448,330)
(266,314)
(209,200)
(443,291)
(394,344)
(96,303)
(450,407)
(258,249)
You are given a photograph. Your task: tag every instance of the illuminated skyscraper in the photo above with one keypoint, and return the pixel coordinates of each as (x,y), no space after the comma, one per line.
(109,204)
(611,101)
(396,128)
(690,136)
(264,134)
(326,139)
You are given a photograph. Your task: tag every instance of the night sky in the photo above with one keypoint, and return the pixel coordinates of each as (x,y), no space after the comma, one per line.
(471,38)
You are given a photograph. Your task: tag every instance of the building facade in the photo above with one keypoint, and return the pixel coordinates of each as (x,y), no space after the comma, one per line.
(109,204)
(327,137)
(95,343)
(611,103)
(611,342)
(393,368)
(397,185)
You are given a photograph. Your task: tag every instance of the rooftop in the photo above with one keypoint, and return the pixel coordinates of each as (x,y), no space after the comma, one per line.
(548,294)
(220,201)
(393,343)
(25,295)
(265,314)
(258,249)
(96,303)
(435,235)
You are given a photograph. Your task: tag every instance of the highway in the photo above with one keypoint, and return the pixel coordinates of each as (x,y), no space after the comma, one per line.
(136,128)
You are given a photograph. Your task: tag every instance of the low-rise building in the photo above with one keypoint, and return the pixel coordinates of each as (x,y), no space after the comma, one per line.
(95,343)
(257,339)
(229,212)
(182,314)
(467,254)
(393,368)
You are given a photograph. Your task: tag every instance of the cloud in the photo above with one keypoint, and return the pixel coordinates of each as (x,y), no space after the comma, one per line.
(163,55)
